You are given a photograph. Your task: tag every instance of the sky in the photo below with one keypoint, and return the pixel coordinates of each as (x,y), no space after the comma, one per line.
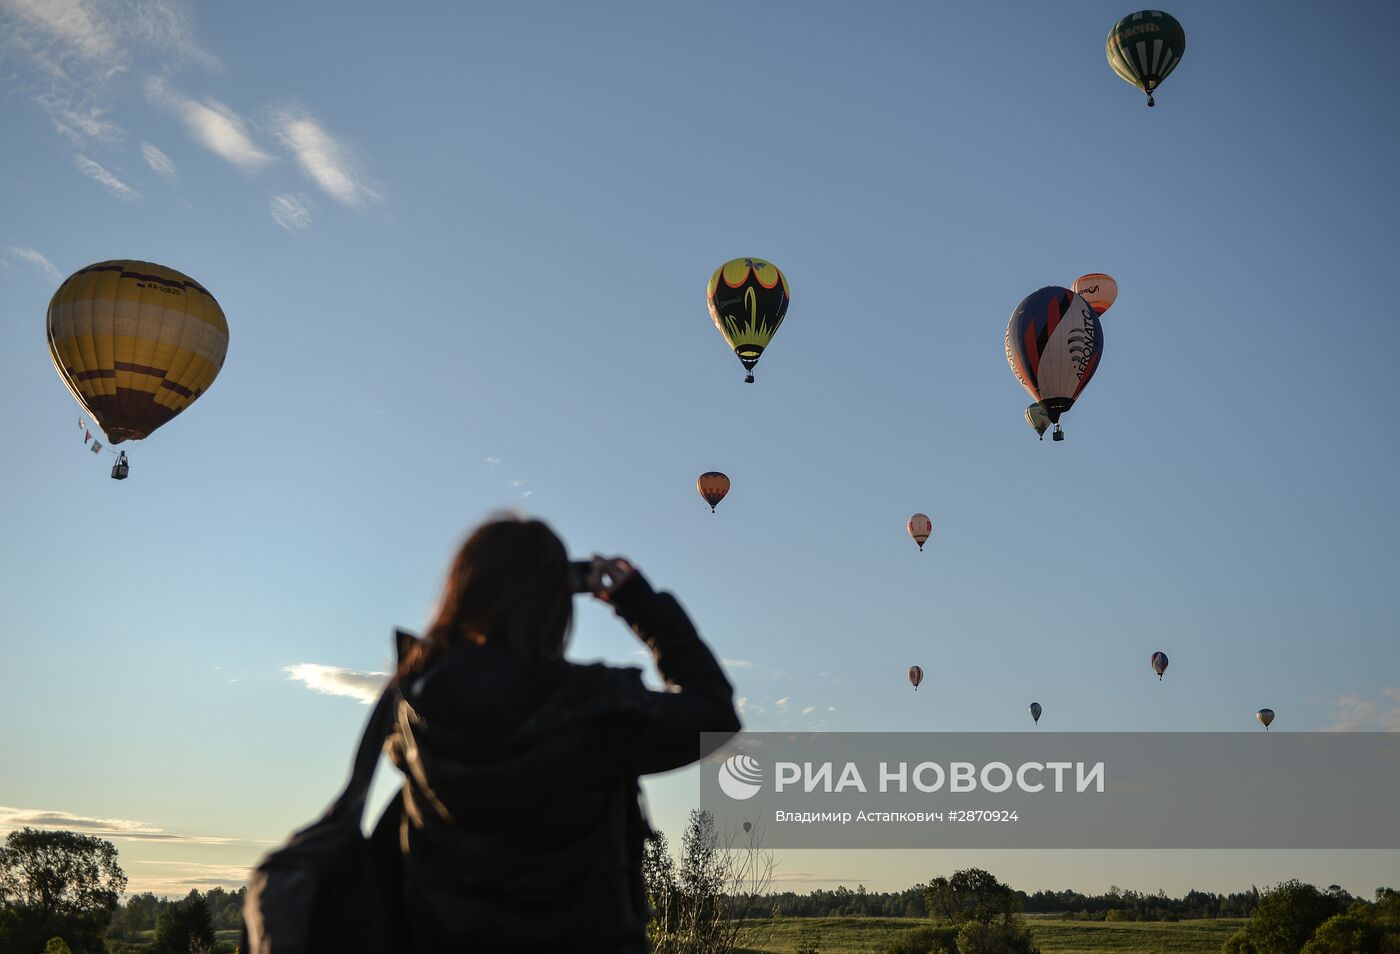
(462,251)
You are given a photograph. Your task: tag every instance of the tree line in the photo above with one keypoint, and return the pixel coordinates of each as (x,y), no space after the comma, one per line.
(60,893)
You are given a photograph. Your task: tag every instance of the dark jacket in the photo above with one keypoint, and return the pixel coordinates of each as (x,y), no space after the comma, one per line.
(521,825)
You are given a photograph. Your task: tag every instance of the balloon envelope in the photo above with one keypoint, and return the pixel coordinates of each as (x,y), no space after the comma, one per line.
(1037,419)
(1098,289)
(1265,717)
(1159,664)
(748,298)
(1143,48)
(916,676)
(1035,712)
(136,343)
(920,527)
(712,486)
(1054,341)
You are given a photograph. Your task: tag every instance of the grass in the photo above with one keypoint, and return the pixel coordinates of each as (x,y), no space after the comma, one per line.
(873,935)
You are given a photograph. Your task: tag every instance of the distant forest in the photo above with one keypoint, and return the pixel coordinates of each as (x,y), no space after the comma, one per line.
(1115,905)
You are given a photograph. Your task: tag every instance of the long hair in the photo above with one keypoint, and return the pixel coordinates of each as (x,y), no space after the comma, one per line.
(509,587)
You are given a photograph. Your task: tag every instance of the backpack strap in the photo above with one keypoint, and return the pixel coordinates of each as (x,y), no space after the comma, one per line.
(350,803)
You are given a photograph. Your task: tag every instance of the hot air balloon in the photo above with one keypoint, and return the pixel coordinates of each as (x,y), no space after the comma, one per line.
(1053,343)
(748,298)
(920,526)
(1144,48)
(1265,717)
(712,486)
(1098,289)
(748,827)
(1038,419)
(1035,712)
(916,676)
(136,343)
(1159,664)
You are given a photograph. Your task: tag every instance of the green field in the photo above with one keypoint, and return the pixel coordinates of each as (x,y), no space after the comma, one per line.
(871,935)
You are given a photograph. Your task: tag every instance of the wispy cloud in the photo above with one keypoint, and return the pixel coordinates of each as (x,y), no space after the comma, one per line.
(35,258)
(335,681)
(292,212)
(808,710)
(73,24)
(15,818)
(783,701)
(158,161)
(213,125)
(183,876)
(493,461)
(737,663)
(113,185)
(326,160)
(80,48)
(1355,712)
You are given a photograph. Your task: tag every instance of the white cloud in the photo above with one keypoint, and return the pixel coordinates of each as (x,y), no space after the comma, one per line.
(36,259)
(12,819)
(79,49)
(783,701)
(185,876)
(741,703)
(809,710)
(158,161)
(79,121)
(1355,712)
(113,185)
(737,663)
(327,161)
(335,681)
(292,212)
(493,461)
(213,125)
(73,24)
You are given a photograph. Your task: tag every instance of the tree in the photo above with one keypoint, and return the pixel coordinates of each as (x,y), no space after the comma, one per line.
(1285,919)
(972,895)
(185,927)
(716,889)
(57,945)
(659,879)
(57,884)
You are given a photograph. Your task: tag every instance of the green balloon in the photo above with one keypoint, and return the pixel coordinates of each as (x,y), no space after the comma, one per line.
(1144,48)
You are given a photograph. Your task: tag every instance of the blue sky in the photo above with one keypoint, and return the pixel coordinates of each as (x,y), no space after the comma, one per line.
(462,253)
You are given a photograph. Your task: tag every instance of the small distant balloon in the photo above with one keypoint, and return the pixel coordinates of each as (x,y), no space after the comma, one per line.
(1098,289)
(1038,419)
(920,528)
(712,486)
(1143,48)
(916,676)
(1159,664)
(748,827)
(1035,712)
(1265,717)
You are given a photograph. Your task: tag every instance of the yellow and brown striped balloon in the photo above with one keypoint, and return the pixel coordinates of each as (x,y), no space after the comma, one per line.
(712,486)
(136,343)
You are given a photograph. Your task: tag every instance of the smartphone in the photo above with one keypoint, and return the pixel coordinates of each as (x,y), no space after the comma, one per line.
(578,575)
